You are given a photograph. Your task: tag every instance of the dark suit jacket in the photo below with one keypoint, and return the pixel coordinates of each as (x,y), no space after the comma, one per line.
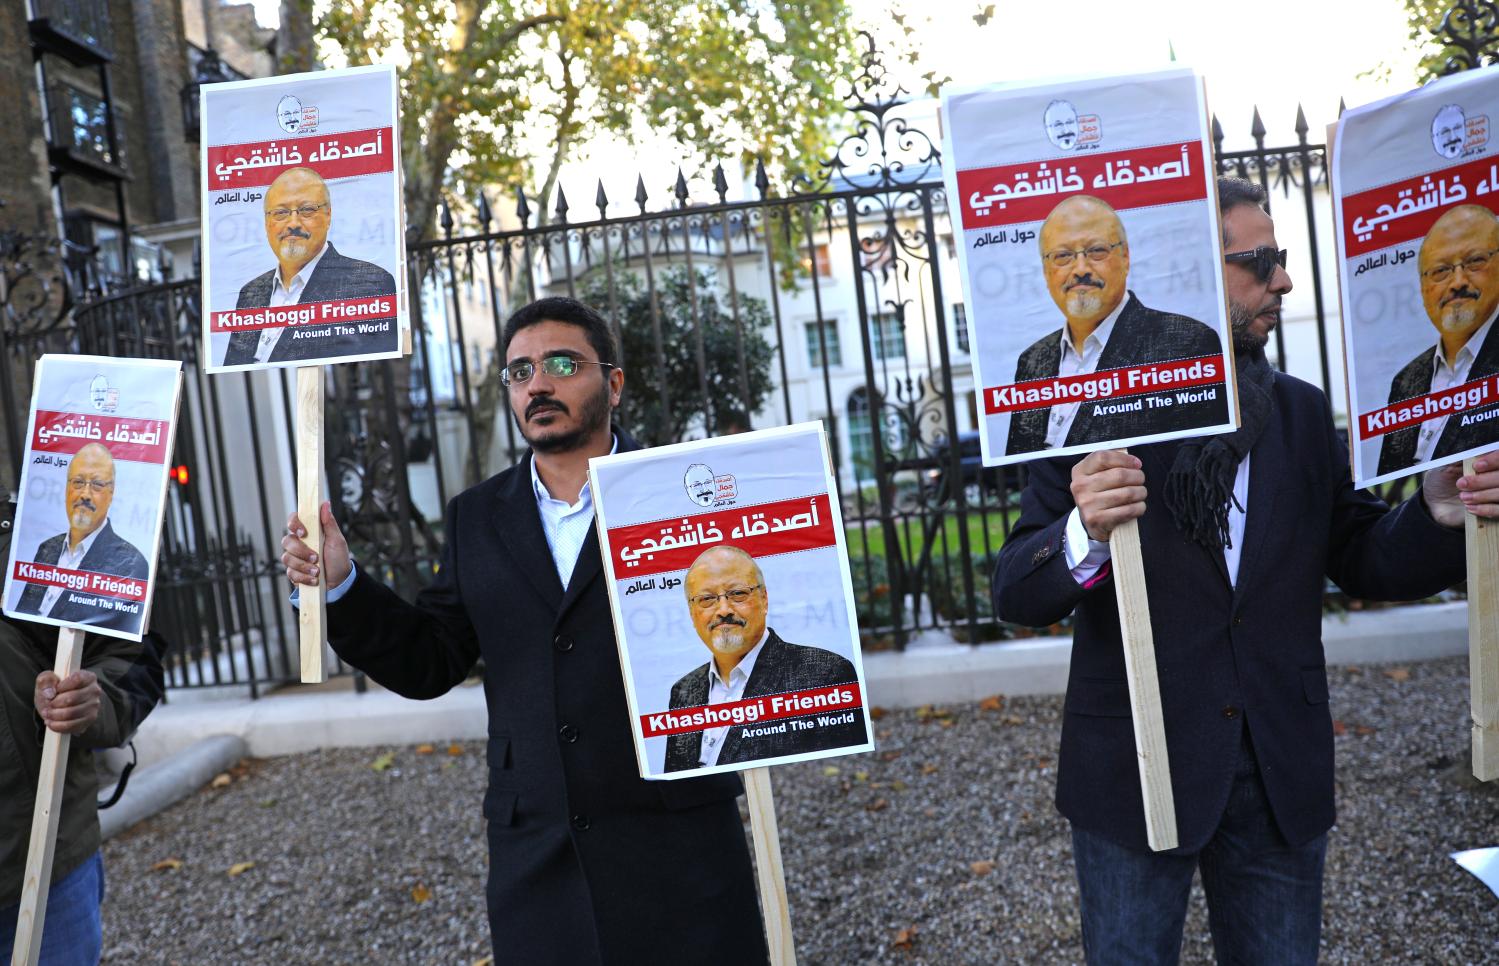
(109,554)
(336,277)
(781,667)
(1227,656)
(588,862)
(1398,450)
(1140,336)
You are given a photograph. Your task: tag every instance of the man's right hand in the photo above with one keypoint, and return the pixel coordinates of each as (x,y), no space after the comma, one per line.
(1108,487)
(302,562)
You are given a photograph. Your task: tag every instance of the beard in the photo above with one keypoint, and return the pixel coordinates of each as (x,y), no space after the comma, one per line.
(82,517)
(1459,314)
(729,637)
(294,247)
(1246,340)
(592,416)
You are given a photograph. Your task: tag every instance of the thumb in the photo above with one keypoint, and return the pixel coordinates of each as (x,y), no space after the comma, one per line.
(330,525)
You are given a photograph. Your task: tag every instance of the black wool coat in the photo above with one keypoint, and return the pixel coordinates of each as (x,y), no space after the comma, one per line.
(588,863)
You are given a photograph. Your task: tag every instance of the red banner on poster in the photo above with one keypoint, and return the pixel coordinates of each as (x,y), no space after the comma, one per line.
(1099,386)
(761,530)
(771,707)
(82,581)
(138,440)
(343,155)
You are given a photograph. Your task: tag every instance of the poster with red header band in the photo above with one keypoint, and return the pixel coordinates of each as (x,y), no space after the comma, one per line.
(1089,245)
(1415,194)
(302,220)
(93,485)
(732,602)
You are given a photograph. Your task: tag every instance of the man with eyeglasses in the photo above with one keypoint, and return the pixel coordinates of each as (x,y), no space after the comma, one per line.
(1240,533)
(298,216)
(1460,290)
(1085,256)
(729,606)
(588,863)
(89,544)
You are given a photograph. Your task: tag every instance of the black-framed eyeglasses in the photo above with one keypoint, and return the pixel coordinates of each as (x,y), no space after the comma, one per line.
(1062,257)
(1470,265)
(1262,260)
(736,596)
(305,212)
(558,366)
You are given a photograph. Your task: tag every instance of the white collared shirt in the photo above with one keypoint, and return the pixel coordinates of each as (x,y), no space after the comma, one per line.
(1443,377)
(69,559)
(1085,555)
(285,295)
(565,525)
(1059,423)
(724,692)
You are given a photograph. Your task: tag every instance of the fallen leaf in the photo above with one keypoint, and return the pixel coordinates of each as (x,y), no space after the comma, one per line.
(455,750)
(897,786)
(830,770)
(220,781)
(1012,719)
(946,722)
(929,769)
(905,938)
(883,735)
(420,893)
(267,803)
(1042,762)
(889,755)
(994,702)
(383,762)
(167,865)
(982,867)
(424,749)
(1362,730)
(878,805)
(486,961)
(1338,728)
(239,868)
(240,769)
(876,714)
(861,776)
(1398,673)
(924,713)
(1354,670)
(929,812)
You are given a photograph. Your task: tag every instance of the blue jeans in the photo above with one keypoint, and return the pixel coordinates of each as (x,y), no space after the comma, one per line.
(1264,896)
(71,933)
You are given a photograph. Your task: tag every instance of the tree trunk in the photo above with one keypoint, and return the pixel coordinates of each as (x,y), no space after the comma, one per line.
(295,49)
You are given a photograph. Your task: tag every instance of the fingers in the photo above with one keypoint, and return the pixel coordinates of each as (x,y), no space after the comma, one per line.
(1108,488)
(297,557)
(1104,459)
(1479,491)
(71,705)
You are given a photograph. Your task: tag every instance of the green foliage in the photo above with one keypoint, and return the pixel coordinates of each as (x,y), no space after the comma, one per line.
(652,419)
(489,84)
(1424,18)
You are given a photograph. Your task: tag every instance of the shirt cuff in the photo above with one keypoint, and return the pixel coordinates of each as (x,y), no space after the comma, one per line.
(334,593)
(1084,565)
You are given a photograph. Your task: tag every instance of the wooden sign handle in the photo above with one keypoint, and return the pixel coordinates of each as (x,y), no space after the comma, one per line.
(1483,639)
(312,614)
(33,910)
(767,838)
(1144,687)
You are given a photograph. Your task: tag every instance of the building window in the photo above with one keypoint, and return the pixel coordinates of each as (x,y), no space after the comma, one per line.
(960,324)
(822,258)
(816,333)
(860,434)
(887,336)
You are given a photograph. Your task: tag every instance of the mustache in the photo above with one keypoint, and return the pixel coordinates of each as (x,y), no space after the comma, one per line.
(544,402)
(295,232)
(1087,278)
(85,502)
(1460,293)
(726,619)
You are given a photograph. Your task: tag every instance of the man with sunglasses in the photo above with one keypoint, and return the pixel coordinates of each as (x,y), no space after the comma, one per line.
(729,605)
(89,544)
(588,863)
(298,216)
(1239,533)
(1460,291)
(1085,258)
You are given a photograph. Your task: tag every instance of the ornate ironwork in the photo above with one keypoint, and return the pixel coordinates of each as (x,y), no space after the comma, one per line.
(1470,29)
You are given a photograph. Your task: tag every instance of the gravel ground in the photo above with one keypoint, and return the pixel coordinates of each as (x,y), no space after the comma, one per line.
(941,847)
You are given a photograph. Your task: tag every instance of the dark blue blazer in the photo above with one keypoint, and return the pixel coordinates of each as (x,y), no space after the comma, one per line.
(1227,656)
(588,863)
(109,554)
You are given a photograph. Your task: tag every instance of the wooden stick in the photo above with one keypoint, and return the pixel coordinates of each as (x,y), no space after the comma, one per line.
(1483,639)
(762,809)
(312,611)
(1144,688)
(33,911)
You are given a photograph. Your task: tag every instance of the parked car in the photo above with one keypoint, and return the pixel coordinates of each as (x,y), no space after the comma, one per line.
(981,484)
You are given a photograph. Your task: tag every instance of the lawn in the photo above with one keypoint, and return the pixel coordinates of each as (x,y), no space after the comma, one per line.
(868,538)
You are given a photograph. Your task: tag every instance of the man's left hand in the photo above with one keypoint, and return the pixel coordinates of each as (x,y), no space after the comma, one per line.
(70,705)
(1449,494)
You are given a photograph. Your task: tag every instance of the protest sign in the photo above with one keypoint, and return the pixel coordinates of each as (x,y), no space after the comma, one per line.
(83,545)
(1090,257)
(302,220)
(1415,184)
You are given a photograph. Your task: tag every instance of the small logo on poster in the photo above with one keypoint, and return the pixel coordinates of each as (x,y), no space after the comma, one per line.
(294,117)
(1069,130)
(1456,135)
(707,489)
(106,399)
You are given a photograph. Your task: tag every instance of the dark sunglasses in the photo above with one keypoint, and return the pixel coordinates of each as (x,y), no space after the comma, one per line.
(1263,260)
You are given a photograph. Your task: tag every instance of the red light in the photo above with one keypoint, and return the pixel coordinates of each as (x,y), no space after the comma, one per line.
(179,473)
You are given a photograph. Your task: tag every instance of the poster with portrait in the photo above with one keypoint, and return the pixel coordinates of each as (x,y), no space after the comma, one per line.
(732,602)
(93,486)
(1088,241)
(302,220)
(1415,191)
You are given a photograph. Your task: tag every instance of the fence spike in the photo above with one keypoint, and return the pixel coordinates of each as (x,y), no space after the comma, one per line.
(680,189)
(640,195)
(1217,132)
(720,183)
(446,219)
(561,205)
(762,181)
(1301,126)
(1341,107)
(522,206)
(484,213)
(602,201)
(1257,129)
